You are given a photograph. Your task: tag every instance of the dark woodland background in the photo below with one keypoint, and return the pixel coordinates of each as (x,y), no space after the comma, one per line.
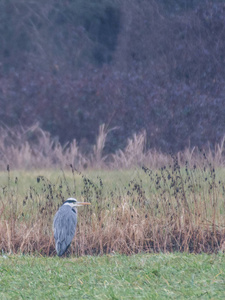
(72,65)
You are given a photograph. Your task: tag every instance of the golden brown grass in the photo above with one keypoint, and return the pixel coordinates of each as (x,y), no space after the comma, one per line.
(169,203)
(170,209)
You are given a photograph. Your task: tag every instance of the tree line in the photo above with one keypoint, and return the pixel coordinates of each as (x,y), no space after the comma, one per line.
(73,65)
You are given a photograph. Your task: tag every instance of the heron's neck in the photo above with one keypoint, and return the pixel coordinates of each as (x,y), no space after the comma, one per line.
(71,205)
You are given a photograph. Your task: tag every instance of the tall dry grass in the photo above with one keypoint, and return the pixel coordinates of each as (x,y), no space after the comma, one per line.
(176,204)
(170,209)
(34,148)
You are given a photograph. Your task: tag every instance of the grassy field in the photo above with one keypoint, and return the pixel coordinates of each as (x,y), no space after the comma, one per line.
(139,210)
(149,212)
(142,276)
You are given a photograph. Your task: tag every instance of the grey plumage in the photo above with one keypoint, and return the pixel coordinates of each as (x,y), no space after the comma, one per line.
(64,224)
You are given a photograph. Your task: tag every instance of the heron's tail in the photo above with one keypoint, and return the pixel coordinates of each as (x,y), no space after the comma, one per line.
(61,248)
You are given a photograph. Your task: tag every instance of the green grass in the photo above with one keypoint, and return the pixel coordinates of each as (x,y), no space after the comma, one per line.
(113,180)
(144,276)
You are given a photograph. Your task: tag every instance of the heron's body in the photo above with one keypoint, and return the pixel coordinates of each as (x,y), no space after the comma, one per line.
(64,224)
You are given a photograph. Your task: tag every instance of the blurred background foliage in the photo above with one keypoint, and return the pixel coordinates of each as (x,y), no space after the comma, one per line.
(72,65)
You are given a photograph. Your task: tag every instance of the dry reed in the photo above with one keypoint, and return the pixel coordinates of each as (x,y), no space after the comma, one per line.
(34,148)
(181,208)
(176,209)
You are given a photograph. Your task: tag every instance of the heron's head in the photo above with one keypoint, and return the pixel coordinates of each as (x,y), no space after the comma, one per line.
(74,203)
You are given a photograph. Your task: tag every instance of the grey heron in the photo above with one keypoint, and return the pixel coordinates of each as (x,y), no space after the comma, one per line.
(64,224)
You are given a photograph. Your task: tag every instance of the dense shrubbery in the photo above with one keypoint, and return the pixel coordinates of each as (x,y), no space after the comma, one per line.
(136,65)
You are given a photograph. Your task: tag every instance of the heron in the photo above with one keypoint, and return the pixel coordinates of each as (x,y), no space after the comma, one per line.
(64,224)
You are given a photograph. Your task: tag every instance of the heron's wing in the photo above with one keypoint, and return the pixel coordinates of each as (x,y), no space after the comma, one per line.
(64,228)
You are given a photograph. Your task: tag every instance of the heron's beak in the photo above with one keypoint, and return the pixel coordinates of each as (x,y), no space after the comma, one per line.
(82,203)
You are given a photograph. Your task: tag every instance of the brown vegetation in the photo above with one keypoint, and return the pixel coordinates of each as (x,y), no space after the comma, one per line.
(178,207)
(152,72)
(34,148)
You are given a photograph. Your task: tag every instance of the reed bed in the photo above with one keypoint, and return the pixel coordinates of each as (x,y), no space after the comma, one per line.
(33,148)
(174,208)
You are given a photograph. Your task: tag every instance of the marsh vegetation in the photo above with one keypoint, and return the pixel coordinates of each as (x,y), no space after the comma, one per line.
(173,208)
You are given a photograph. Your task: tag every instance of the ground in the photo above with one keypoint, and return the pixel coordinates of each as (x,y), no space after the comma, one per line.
(142,276)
